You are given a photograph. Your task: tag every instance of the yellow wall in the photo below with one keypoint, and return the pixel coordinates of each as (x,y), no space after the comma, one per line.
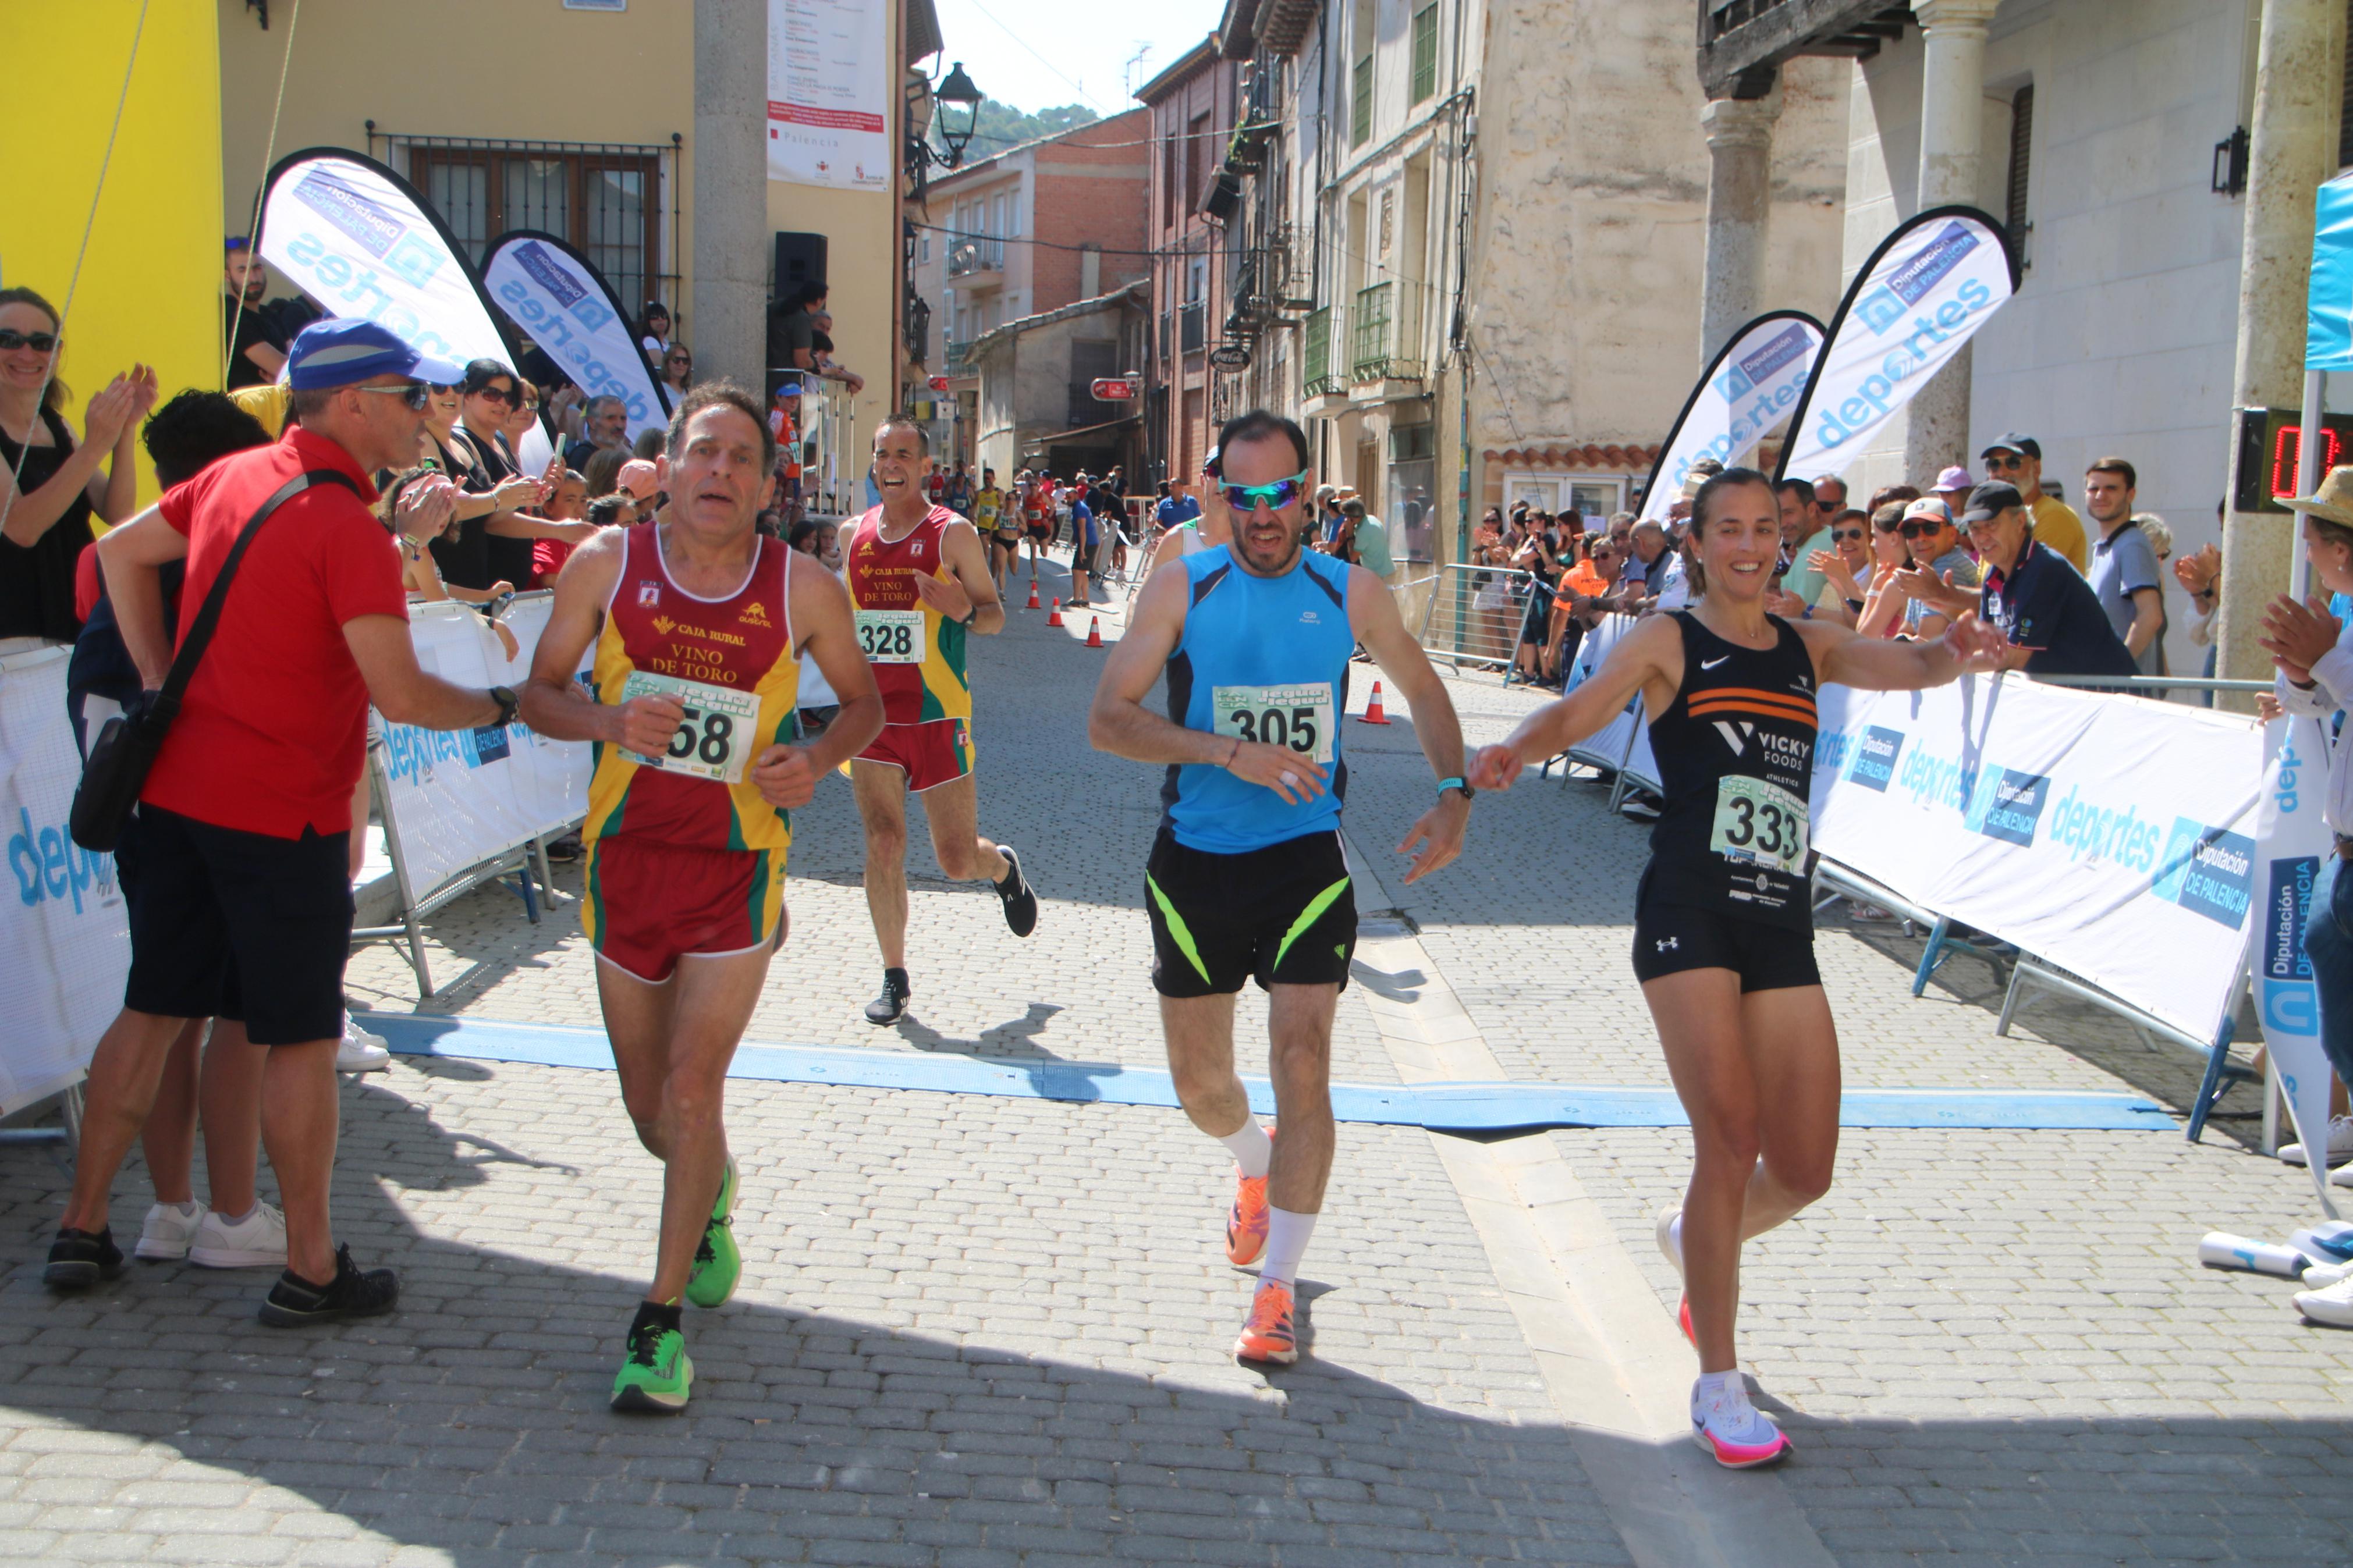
(150,280)
(529,70)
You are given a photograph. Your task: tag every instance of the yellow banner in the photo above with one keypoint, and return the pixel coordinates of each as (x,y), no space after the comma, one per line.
(150,283)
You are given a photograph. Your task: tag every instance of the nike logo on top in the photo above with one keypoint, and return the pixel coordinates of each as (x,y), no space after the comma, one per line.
(1712,663)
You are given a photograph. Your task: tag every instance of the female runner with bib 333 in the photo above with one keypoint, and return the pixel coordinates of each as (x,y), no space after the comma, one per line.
(1723,920)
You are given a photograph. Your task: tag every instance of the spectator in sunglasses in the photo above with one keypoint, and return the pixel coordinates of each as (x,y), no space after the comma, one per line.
(678,371)
(1883,602)
(1944,580)
(48,502)
(2017,460)
(1845,568)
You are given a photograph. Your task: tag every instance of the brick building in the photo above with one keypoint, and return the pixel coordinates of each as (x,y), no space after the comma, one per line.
(1192,105)
(1026,232)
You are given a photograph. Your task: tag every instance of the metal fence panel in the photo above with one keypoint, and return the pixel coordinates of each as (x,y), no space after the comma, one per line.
(1474,615)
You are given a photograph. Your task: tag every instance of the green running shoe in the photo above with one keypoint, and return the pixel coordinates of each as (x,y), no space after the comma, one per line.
(656,1373)
(718,1265)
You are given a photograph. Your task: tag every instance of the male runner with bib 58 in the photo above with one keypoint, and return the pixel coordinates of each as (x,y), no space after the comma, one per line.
(697,624)
(1247,878)
(1723,917)
(920,584)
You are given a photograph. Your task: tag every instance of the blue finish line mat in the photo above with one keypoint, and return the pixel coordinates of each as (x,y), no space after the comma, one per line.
(1495,1107)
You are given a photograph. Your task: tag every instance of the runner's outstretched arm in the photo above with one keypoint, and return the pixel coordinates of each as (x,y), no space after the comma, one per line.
(1874,663)
(1649,656)
(968,566)
(552,701)
(1121,724)
(1373,616)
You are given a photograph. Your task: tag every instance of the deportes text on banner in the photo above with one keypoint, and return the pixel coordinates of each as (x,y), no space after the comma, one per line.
(2292,843)
(830,82)
(460,798)
(1925,292)
(65,932)
(552,293)
(2113,839)
(1750,387)
(350,233)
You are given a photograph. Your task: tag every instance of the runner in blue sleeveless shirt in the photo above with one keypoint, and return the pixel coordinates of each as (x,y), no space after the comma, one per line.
(1723,918)
(1247,878)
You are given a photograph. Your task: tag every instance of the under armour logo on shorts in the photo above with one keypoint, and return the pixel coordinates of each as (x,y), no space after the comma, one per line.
(1666,944)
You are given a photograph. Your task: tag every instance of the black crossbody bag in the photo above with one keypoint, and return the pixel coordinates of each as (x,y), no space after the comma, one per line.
(127,746)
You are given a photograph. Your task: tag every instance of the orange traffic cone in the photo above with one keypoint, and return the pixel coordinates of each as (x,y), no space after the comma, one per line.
(1033,595)
(1095,631)
(1374,712)
(1056,618)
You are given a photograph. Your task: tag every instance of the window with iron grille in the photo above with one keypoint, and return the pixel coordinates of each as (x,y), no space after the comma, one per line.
(609,201)
(2021,137)
(1425,51)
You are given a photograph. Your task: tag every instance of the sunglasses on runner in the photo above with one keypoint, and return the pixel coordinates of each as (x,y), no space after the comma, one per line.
(39,343)
(1276,496)
(416,394)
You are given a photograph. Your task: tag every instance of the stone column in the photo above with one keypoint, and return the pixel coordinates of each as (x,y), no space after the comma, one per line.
(1739,211)
(2299,73)
(731,191)
(1952,90)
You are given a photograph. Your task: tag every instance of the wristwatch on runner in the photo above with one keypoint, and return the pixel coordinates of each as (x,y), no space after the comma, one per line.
(507,704)
(1459,786)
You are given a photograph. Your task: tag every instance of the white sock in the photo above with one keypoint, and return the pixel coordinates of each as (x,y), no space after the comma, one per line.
(1676,1232)
(188,1210)
(1253,1150)
(1720,1399)
(247,1214)
(1286,1243)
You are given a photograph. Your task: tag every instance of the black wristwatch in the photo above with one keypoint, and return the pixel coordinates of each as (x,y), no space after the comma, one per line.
(509,704)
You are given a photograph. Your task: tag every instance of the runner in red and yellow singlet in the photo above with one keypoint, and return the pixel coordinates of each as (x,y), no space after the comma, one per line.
(697,625)
(920,586)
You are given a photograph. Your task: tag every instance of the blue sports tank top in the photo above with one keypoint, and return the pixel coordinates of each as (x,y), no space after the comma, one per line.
(1264,659)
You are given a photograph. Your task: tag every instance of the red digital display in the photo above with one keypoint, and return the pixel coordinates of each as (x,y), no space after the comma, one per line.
(2287,451)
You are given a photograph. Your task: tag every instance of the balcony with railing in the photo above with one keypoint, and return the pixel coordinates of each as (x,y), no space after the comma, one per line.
(956,360)
(1322,374)
(975,260)
(1386,342)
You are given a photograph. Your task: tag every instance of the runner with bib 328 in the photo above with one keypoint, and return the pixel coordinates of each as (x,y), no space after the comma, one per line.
(1722,918)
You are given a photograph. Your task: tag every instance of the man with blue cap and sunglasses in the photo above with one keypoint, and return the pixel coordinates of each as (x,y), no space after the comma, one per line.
(1246,880)
(234,866)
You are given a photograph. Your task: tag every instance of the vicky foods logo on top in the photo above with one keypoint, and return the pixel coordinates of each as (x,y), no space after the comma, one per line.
(1933,284)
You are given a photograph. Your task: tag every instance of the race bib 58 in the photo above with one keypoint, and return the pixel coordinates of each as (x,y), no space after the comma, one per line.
(718,731)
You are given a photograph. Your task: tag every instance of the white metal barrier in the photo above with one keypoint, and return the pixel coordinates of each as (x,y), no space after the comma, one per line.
(1474,615)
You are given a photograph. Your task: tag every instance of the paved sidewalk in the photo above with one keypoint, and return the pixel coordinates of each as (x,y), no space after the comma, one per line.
(982,1331)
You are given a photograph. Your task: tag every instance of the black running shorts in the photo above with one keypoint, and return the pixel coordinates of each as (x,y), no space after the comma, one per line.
(1671,938)
(237,925)
(1283,915)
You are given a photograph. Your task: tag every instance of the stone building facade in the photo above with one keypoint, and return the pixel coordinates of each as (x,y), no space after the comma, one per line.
(1033,405)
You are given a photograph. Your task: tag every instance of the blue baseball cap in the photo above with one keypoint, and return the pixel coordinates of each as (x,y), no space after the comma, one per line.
(343,350)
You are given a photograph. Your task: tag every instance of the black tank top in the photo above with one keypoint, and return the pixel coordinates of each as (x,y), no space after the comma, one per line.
(37,579)
(1736,756)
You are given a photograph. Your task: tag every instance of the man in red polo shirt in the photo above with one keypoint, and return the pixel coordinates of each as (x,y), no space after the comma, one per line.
(234,866)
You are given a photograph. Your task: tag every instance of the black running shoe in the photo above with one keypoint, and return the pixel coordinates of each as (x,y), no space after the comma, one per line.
(892,1005)
(294,1301)
(1020,899)
(80,1258)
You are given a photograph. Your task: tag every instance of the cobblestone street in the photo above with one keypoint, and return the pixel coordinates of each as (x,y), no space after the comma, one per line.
(992,1330)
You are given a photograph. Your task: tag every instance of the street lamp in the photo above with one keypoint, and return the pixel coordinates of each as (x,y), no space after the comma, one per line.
(958,93)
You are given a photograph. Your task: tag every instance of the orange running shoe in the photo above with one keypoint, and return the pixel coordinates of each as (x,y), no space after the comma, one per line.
(1246,1220)
(1267,1336)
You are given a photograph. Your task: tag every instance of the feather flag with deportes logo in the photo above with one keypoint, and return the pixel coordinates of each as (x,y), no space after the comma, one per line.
(1915,303)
